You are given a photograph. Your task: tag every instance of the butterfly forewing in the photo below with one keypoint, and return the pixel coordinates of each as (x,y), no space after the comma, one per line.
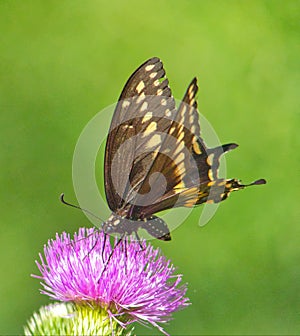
(136,133)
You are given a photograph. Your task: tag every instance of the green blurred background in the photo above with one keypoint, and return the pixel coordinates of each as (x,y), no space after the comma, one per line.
(63,61)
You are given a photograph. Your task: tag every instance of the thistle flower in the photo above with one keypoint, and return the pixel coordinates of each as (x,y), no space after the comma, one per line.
(129,282)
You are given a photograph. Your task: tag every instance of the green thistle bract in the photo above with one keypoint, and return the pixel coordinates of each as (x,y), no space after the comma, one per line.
(72,319)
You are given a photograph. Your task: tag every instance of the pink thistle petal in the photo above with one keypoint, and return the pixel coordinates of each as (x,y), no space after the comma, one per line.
(137,284)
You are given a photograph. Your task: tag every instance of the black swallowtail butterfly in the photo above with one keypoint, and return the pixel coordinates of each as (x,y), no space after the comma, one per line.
(155,158)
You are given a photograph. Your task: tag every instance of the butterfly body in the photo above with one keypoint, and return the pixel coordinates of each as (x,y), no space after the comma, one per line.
(121,225)
(155,157)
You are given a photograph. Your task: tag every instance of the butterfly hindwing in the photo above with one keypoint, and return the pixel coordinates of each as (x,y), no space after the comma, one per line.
(172,164)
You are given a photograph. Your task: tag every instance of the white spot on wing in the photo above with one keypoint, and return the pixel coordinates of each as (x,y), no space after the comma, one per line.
(191,89)
(180,167)
(172,129)
(179,148)
(168,113)
(191,119)
(209,159)
(125,103)
(151,128)
(149,67)
(154,141)
(140,98)
(147,117)
(153,74)
(140,86)
(180,157)
(196,147)
(180,137)
(144,106)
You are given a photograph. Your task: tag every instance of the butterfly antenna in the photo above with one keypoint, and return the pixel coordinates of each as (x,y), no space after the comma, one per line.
(62,199)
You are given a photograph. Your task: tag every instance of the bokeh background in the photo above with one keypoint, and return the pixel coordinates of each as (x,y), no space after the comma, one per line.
(63,61)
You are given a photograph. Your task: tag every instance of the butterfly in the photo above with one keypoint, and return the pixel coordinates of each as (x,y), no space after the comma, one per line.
(155,157)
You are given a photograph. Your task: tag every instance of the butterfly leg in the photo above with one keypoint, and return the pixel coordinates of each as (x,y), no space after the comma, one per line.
(111,254)
(139,240)
(125,251)
(103,246)
(90,250)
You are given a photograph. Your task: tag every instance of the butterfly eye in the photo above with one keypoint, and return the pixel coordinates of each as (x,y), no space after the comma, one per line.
(108,228)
